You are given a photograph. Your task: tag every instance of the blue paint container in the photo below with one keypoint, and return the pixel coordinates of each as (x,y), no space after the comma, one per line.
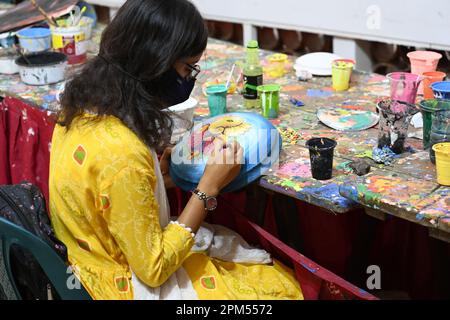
(7,40)
(35,39)
(441,90)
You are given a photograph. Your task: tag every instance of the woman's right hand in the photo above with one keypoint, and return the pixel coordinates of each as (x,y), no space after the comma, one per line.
(223,166)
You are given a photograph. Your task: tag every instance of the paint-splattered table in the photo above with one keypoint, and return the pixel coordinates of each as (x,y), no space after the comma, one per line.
(44,97)
(406,189)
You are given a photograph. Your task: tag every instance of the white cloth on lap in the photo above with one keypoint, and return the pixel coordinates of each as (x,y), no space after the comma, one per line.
(224,244)
(216,241)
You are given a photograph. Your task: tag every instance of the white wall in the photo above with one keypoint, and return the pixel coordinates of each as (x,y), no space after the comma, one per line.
(409,22)
(418,23)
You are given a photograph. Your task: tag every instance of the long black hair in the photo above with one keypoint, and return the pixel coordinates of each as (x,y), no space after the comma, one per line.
(139,46)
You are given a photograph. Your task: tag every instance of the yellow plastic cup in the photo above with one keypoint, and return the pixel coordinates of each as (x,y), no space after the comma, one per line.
(442,151)
(276,67)
(341,72)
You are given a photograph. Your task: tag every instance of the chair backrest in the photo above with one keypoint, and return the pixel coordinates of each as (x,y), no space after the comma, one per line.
(54,267)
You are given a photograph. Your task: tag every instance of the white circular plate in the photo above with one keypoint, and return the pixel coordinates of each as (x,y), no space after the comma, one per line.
(317,63)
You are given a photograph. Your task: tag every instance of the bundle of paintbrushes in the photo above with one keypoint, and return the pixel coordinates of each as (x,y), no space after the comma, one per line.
(72,19)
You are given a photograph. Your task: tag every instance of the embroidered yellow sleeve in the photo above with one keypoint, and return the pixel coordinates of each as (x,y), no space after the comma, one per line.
(132,215)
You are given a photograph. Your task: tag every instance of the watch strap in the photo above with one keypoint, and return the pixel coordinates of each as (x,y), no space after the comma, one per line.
(204,197)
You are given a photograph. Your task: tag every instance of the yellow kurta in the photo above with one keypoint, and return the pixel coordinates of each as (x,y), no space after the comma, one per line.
(103,208)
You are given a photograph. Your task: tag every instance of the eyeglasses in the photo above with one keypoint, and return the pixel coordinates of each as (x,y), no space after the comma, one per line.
(195,70)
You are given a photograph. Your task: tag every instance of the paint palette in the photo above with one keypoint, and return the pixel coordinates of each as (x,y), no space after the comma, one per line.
(345,119)
(260,140)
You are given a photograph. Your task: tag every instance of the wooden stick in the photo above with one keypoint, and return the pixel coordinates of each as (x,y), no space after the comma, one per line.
(46,16)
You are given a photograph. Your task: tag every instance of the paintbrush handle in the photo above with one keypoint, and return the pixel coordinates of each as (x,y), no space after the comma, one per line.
(46,16)
(229,77)
(22,54)
(79,16)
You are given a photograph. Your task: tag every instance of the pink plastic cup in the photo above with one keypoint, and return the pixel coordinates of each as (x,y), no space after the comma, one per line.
(423,61)
(404,86)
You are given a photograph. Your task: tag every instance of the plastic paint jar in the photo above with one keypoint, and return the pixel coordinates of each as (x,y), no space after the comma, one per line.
(277,65)
(423,61)
(441,90)
(442,151)
(35,39)
(7,40)
(428,108)
(217,99)
(321,152)
(428,80)
(404,86)
(72,42)
(395,117)
(269,96)
(440,130)
(341,72)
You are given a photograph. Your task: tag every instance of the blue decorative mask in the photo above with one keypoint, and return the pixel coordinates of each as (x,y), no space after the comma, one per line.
(259,139)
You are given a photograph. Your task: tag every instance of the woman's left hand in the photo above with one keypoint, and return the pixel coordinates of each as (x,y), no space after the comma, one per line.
(164,164)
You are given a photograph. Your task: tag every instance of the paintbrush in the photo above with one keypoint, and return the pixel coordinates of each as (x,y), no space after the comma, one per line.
(22,54)
(49,19)
(79,16)
(229,77)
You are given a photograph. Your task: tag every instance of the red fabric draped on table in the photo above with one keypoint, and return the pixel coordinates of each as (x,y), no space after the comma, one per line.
(347,244)
(316,281)
(25,140)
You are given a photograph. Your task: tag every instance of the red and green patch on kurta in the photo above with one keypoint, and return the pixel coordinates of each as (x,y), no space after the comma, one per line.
(79,155)
(104,199)
(122,284)
(208,283)
(84,245)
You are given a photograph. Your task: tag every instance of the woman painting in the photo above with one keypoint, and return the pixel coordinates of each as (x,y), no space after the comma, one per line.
(107,195)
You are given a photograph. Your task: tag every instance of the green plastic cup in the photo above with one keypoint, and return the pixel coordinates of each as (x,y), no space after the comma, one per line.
(270,100)
(428,108)
(217,99)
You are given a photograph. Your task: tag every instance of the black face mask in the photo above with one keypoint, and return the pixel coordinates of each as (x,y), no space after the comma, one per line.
(175,89)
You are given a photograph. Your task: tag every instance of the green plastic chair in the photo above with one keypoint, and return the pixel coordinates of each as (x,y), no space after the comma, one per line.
(54,267)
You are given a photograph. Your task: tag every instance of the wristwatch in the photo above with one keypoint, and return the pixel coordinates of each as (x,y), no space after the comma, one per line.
(210,202)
